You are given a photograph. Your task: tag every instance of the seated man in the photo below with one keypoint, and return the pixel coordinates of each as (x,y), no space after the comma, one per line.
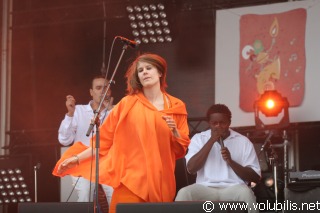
(224,161)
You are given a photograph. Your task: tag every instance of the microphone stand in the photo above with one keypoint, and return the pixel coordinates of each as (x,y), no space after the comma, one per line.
(285,157)
(274,162)
(96,122)
(35,169)
(266,141)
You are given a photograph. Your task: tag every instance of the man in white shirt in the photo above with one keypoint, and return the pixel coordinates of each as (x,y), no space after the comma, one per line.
(224,161)
(74,127)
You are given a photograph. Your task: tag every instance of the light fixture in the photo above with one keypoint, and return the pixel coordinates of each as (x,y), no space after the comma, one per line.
(272,105)
(269,181)
(149,23)
(13,187)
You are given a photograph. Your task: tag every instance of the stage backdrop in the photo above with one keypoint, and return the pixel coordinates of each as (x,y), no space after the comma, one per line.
(274,46)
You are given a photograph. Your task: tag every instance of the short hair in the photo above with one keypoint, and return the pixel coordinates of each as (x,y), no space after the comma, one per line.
(133,83)
(219,108)
(98,77)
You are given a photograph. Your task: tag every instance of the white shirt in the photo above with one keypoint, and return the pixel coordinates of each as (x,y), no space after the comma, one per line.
(74,129)
(216,172)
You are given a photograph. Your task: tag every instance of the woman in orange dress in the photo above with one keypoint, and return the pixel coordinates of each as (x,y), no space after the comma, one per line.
(140,141)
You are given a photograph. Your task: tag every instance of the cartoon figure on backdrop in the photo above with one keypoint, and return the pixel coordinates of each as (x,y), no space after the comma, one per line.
(272,56)
(74,126)
(140,140)
(268,69)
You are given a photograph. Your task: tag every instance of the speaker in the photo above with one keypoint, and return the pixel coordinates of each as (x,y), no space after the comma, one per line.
(308,147)
(308,192)
(301,196)
(79,207)
(182,207)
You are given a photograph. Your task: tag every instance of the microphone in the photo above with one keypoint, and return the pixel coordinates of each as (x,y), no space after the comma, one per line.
(267,140)
(37,166)
(131,43)
(221,142)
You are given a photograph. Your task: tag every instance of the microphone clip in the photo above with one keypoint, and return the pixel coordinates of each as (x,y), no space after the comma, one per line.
(128,42)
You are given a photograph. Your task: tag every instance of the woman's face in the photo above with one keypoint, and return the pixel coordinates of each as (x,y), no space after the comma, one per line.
(148,74)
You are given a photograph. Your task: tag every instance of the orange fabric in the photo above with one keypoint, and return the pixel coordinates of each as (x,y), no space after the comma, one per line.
(123,195)
(138,149)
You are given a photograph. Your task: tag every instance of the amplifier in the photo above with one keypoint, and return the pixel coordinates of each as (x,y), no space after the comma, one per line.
(304,176)
(182,207)
(52,207)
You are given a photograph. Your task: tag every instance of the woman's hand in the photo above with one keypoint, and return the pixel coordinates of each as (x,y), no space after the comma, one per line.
(172,125)
(170,122)
(68,164)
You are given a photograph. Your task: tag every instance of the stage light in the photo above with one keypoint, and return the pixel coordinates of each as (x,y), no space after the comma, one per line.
(269,181)
(271,104)
(13,187)
(149,23)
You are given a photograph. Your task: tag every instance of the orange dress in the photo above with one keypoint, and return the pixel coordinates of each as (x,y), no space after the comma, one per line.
(137,149)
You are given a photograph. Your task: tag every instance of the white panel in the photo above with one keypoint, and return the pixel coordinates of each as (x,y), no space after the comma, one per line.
(227,60)
(66,186)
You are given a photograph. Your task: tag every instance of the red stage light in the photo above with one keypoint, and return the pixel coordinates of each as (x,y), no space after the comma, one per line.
(271,103)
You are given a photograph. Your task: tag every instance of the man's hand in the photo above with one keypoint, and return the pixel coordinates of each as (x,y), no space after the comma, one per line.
(70,104)
(216,133)
(226,154)
(107,103)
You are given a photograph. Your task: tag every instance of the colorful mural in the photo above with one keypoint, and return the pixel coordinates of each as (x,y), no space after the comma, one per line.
(272,56)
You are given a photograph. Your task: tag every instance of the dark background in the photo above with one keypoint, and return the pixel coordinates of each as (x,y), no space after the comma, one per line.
(57,46)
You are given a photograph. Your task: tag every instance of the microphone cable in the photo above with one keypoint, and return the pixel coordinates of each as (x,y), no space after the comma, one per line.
(74,186)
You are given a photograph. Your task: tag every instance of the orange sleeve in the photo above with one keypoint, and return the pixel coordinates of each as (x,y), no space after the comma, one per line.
(76,148)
